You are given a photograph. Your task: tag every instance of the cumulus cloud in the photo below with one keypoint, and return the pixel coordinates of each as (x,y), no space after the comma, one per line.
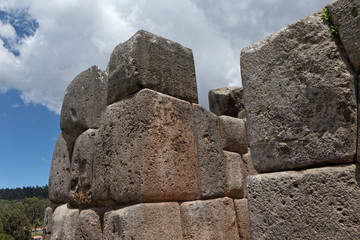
(7,30)
(76,34)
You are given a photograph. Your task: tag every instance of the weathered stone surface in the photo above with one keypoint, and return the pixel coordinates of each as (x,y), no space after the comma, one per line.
(81,174)
(89,225)
(299,99)
(64,223)
(243,219)
(84,101)
(346,17)
(233,134)
(248,168)
(210,158)
(320,203)
(226,101)
(48,222)
(151,221)
(149,61)
(146,151)
(209,219)
(234,174)
(59,179)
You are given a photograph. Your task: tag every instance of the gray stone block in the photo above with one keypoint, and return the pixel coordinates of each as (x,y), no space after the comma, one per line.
(84,101)
(81,173)
(149,61)
(299,98)
(321,203)
(146,151)
(209,153)
(345,15)
(243,218)
(226,101)
(248,168)
(59,179)
(89,225)
(209,219)
(64,223)
(233,134)
(150,221)
(234,174)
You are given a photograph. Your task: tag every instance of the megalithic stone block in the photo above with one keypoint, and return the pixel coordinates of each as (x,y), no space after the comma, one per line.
(84,101)
(151,221)
(209,219)
(146,151)
(345,15)
(299,98)
(227,101)
(320,203)
(64,222)
(210,157)
(149,61)
(59,179)
(81,173)
(235,175)
(233,134)
(243,218)
(89,225)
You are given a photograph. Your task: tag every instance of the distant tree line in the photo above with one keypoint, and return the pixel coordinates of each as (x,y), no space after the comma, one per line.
(24,192)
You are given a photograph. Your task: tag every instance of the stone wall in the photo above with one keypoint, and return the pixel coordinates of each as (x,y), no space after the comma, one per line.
(301,101)
(138,158)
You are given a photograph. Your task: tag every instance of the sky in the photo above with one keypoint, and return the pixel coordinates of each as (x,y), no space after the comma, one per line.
(44,44)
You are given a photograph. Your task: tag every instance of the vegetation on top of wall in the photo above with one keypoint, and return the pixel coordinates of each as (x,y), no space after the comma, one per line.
(328,19)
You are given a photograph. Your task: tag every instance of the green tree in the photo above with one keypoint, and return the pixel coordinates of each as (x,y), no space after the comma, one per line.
(6,237)
(16,224)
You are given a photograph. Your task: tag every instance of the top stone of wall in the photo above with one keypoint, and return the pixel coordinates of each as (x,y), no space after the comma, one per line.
(149,61)
(300,101)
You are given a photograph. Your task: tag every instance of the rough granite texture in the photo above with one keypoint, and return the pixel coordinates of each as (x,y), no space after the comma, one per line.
(226,101)
(233,134)
(81,173)
(59,179)
(149,61)
(64,223)
(146,151)
(209,219)
(345,15)
(243,219)
(89,225)
(150,221)
(234,174)
(84,101)
(210,157)
(320,203)
(48,212)
(247,167)
(299,98)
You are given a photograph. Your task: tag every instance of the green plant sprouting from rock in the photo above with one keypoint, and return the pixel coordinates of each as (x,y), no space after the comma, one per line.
(328,18)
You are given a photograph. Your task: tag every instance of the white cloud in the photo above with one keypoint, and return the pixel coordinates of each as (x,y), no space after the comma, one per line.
(7,31)
(16,105)
(76,34)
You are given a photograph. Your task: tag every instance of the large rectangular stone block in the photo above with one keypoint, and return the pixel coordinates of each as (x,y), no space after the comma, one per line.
(209,219)
(321,203)
(345,16)
(146,151)
(210,158)
(299,98)
(89,225)
(59,179)
(84,102)
(149,61)
(81,173)
(234,174)
(64,223)
(150,221)
(227,101)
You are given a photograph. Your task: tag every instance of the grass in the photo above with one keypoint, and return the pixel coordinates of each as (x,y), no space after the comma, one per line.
(328,19)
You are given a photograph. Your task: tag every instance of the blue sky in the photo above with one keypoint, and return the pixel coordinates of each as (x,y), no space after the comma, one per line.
(44,44)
